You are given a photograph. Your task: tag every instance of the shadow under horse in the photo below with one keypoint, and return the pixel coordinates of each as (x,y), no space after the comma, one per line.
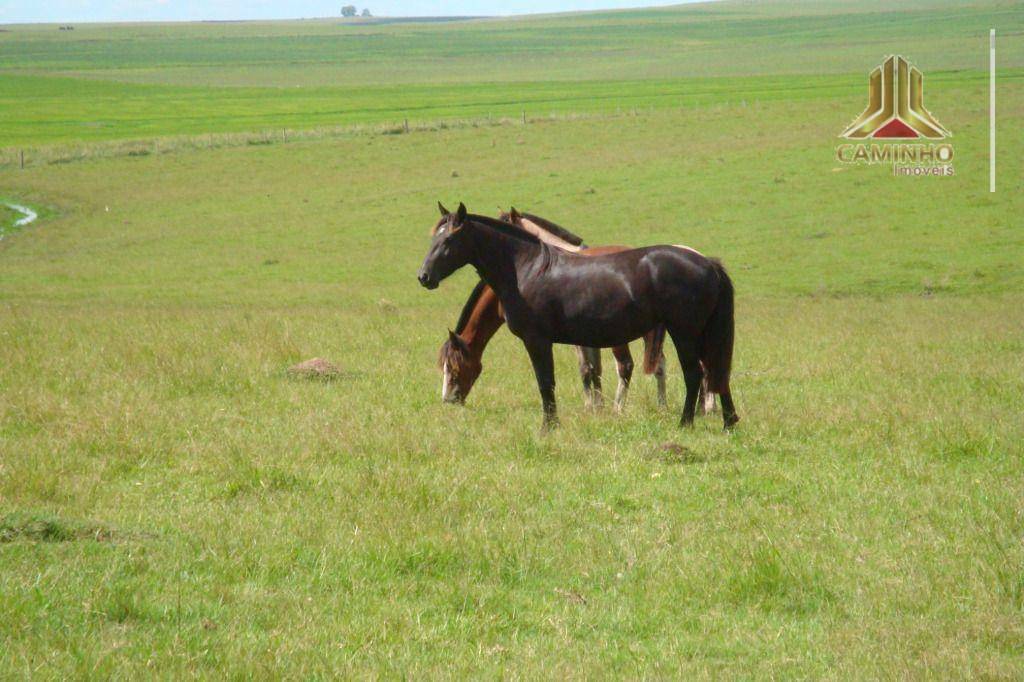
(550,296)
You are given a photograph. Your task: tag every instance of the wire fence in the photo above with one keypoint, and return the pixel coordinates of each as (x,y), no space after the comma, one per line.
(20,157)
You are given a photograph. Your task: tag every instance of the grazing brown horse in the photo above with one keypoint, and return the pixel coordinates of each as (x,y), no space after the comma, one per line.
(461,354)
(549,296)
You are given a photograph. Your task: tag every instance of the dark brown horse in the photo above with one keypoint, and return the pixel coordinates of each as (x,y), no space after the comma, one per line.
(550,296)
(461,355)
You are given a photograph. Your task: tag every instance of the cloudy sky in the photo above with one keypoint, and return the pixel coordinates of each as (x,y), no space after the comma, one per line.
(16,11)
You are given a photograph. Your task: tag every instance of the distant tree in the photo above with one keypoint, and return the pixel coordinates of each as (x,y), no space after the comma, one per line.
(348,11)
(366,12)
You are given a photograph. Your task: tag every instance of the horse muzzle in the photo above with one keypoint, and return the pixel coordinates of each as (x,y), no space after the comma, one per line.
(454,399)
(426,280)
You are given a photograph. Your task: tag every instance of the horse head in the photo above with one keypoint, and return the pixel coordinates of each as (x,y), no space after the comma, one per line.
(449,250)
(459,369)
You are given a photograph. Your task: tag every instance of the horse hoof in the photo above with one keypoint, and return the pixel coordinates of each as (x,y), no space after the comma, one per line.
(731,421)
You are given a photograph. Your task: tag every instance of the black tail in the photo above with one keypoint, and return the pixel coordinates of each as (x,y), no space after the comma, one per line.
(654,341)
(716,353)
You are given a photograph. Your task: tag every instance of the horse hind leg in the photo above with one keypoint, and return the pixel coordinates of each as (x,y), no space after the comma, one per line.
(584,373)
(624,364)
(709,398)
(659,376)
(729,416)
(686,349)
(590,373)
(595,370)
(705,397)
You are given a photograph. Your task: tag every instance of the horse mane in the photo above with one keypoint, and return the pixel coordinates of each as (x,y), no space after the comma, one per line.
(505,228)
(554,228)
(467,309)
(448,352)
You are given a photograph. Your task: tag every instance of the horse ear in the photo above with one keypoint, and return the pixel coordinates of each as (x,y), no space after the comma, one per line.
(460,214)
(444,211)
(457,341)
(513,214)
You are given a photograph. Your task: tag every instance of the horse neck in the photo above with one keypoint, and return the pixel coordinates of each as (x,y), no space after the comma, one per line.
(485,320)
(499,257)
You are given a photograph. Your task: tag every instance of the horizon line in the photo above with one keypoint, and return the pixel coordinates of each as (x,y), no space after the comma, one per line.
(358,19)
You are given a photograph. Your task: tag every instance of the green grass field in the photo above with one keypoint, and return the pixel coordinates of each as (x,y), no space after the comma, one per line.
(104,82)
(173,504)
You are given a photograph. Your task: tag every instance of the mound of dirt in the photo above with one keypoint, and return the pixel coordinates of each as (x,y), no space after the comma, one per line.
(674,453)
(315,368)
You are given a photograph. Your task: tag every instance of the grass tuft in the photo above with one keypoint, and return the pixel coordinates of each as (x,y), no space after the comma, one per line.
(774,582)
(38,527)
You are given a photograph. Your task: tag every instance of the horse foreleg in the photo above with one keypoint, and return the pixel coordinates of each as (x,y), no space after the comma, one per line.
(624,364)
(544,369)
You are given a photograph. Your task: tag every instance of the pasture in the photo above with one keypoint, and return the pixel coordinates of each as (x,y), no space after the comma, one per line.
(173,503)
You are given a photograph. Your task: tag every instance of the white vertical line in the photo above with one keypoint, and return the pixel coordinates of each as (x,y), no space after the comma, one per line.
(992,110)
